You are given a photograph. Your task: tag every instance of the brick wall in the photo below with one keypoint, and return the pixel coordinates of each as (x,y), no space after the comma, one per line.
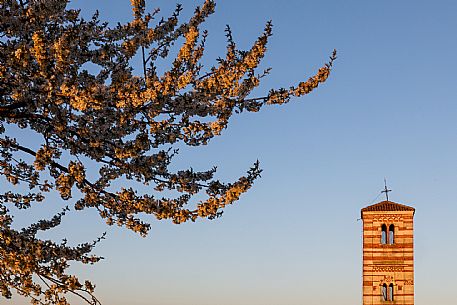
(388,263)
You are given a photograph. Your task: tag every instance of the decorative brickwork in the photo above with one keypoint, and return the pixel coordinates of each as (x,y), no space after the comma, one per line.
(388,254)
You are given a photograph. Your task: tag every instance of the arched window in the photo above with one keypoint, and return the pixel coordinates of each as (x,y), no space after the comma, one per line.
(384,292)
(383,234)
(391,292)
(391,234)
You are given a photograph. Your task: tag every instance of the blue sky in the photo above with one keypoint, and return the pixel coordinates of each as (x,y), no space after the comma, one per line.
(388,110)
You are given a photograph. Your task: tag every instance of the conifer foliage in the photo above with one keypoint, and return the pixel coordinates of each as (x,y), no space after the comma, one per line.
(128,124)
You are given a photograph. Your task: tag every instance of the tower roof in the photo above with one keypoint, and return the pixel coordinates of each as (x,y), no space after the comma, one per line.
(387,206)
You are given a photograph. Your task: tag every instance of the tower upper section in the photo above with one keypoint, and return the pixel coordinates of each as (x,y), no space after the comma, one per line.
(388,254)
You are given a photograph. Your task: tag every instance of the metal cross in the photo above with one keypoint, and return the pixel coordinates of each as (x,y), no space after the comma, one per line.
(386,190)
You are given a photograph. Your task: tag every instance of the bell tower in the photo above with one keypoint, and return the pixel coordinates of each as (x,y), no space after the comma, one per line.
(388,254)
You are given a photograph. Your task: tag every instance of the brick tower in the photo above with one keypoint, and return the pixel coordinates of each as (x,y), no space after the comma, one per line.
(388,254)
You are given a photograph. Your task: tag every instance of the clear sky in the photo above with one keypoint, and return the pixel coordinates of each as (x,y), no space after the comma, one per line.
(388,110)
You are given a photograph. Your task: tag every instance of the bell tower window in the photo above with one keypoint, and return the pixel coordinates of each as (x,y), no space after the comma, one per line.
(383,234)
(387,292)
(391,234)
(391,292)
(384,292)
